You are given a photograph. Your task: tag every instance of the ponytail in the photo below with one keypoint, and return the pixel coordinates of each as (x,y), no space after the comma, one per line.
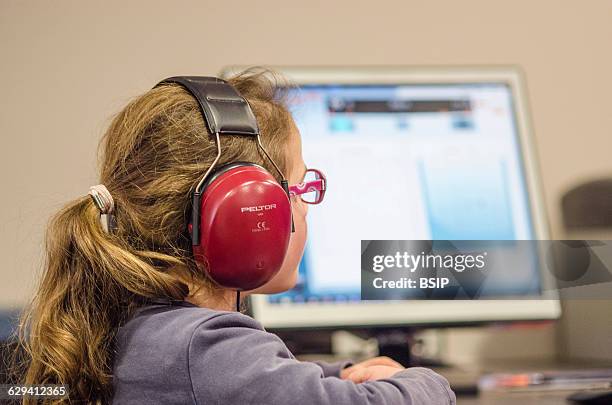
(92,283)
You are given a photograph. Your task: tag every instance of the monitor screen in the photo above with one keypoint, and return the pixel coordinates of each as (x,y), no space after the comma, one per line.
(408,162)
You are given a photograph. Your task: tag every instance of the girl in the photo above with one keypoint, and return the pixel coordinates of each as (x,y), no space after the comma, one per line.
(130,317)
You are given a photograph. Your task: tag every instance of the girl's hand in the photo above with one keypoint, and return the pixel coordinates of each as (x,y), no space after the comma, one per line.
(383,367)
(372,373)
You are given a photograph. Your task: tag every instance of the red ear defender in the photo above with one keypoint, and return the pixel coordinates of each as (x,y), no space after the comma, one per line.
(241,216)
(245,224)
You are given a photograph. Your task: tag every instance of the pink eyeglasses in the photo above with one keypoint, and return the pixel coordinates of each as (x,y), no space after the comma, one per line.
(312,189)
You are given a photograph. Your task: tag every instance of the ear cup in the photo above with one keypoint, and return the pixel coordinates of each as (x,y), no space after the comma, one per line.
(245,225)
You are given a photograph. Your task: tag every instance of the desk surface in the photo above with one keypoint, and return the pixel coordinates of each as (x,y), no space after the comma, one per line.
(469,376)
(522,398)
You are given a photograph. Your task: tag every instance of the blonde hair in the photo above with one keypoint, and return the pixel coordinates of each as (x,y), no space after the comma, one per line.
(152,156)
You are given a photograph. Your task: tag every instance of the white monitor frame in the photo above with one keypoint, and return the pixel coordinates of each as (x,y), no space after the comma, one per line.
(421,312)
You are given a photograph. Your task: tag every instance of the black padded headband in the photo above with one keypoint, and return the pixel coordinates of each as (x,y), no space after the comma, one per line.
(225,110)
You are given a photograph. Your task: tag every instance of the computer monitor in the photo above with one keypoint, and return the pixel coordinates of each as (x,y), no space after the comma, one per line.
(411,154)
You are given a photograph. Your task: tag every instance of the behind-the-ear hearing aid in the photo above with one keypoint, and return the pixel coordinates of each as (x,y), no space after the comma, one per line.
(241,217)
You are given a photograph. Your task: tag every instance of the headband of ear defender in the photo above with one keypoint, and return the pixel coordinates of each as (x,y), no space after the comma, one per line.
(241,215)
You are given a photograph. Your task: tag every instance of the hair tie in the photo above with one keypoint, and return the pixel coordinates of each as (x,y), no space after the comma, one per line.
(103,198)
(105,203)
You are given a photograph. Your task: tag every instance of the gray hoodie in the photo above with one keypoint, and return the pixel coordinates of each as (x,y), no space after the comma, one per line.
(184,354)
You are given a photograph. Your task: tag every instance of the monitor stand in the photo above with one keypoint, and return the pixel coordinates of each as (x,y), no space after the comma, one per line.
(402,346)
